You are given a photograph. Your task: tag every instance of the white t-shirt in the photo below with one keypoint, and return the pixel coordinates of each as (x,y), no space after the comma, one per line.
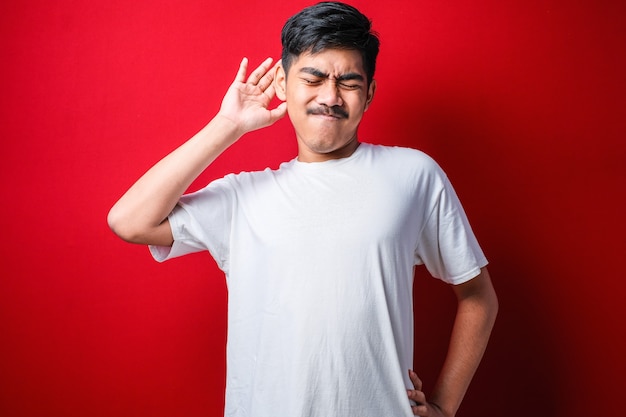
(319,263)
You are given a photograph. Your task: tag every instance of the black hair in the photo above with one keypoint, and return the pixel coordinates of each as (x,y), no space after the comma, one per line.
(330,25)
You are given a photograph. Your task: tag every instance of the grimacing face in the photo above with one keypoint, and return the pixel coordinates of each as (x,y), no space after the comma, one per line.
(326,94)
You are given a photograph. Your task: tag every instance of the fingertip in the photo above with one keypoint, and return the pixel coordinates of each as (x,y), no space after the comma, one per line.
(282,108)
(241,71)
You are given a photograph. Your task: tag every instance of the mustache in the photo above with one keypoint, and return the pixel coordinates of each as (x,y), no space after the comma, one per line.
(334,111)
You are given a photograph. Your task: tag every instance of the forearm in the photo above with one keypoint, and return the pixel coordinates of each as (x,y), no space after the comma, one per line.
(474,321)
(140,215)
(149,201)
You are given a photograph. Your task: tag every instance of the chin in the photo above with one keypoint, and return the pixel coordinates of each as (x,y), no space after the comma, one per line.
(324,146)
(326,139)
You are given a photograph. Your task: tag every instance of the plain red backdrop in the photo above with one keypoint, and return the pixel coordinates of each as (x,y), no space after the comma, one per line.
(522,102)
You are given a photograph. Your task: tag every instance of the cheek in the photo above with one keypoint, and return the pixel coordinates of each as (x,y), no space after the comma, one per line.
(357,106)
(301,96)
(298,102)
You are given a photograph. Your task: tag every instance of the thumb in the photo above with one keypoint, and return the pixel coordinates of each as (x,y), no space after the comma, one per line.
(278,112)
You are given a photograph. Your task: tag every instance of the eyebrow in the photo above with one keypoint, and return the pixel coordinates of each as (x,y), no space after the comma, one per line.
(343,77)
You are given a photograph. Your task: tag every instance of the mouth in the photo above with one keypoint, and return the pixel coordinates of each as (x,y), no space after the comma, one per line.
(334,112)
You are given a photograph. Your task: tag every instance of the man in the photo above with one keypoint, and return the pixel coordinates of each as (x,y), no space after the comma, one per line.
(319,254)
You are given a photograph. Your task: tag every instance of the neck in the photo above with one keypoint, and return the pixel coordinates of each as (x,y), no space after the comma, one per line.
(306,154)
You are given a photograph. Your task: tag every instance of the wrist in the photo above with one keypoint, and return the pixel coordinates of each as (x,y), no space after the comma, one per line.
(441,410)
(226,126)
(221,132)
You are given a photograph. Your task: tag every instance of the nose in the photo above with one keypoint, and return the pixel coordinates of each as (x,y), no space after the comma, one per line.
(329,94)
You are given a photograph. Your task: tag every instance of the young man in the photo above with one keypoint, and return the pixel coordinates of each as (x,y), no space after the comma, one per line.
(319,254)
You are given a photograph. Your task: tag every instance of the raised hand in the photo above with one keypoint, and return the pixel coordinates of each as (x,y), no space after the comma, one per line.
(246,102)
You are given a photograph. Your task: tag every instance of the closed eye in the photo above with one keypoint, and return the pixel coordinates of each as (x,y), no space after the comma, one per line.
(309,81)
(344,85)
(348,86)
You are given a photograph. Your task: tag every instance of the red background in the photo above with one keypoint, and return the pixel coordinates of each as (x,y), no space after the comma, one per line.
(522,102)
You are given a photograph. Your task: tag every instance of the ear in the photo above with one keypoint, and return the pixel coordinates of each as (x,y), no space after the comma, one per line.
(370,94)
(280,82)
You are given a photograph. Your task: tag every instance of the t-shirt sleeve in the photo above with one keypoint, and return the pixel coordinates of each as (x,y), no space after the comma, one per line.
(201,221)
(447,245)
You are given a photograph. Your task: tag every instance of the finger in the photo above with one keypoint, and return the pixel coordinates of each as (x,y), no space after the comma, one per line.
(268,78)
(270,91)
(241,72)
(417,396)
(276,65)
(420,410)
(417,383)
(266,82)
(258,73)
(278,113)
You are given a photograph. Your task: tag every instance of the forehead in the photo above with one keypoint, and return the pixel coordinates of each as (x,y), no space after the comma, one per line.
(330,61)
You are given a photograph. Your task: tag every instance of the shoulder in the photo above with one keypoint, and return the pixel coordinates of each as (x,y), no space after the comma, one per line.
(403,159)
(252,181)
(249,177)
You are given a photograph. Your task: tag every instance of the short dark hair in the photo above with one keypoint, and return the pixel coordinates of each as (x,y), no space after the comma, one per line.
(330,25)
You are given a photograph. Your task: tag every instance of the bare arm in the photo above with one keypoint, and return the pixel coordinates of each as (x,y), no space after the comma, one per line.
(476,314)
(140,216)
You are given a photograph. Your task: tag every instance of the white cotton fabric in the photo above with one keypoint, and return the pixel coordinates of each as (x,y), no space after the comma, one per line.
(319,263)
